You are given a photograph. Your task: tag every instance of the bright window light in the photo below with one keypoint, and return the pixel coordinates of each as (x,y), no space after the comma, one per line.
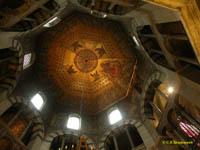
(37,101)
(170,90)
(27,60)
(104,15)
(52,22)
(115,116)
(73,123)
(136,41)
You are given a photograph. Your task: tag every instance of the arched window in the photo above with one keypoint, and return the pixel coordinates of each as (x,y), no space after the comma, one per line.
(38,101)
(27,60)
(136,41)
(74,122)
(54,21)
(114,116)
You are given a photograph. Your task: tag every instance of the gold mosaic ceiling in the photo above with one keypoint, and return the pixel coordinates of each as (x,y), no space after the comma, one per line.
(87,59)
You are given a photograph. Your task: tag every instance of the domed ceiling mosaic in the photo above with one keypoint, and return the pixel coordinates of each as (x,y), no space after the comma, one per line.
(88,59)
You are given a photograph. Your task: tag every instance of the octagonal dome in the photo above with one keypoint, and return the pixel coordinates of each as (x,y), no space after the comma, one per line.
(89,60)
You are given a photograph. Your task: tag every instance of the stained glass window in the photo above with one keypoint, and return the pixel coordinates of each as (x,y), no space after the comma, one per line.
(189,129)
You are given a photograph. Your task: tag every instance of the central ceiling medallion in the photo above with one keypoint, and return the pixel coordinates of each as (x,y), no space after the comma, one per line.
(86,61)
(87,54)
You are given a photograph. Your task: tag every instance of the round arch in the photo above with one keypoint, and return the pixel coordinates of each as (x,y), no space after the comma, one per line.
(38,129)
(159,77)
(10,81)
(143,132)
(154,77)
(50,136)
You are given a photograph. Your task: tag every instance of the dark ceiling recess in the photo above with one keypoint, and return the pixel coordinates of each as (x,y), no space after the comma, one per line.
(177,44)
(107,6)
(84,53)
(16,17)
(180,47)
(10,4)
(198,3)
(151,45)
(178,39)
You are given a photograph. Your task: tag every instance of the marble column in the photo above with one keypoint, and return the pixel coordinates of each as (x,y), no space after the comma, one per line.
(115,142)
(4,105)
(161,93)
(15,117)
(156,109)
(35,144)
(130,139)
(63,143)
(25,130)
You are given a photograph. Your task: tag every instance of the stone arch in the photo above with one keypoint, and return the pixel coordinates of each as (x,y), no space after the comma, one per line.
(49,138)
(61,5)
(143,132)
(157,76)
(10,82)
(38,129)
